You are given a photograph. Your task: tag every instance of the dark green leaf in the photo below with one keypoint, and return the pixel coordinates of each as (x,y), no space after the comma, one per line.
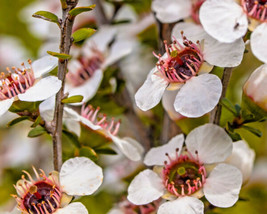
(72,137)
(254,131)
(17,120)
(82,34)
(235,136)
(37,131)
(21,106)
(45,15)
(228,105)
(36,122)
(238,109)
(59,55)
(87,151)
(76,11)
(73,99)
(105,151)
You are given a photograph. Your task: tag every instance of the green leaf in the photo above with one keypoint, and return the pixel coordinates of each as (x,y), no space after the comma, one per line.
(17,120)
(64,4)
(82,34)
(73,99)
(72,137)
(21,106)
(235,136)
(37,131)
(87,151)
(36,122)
(45,15)
(59,55)
(229,106)
(238,109)
(105,151)
(76,11)
(254,131)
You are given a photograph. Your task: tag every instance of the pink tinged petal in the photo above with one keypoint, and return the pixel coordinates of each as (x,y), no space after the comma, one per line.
(168,11)
(42,89)
(243,158)
(80,176)
(157,155)
(44,65)
(119,49)
(223,54)
(73,208)
(183,205)
(211,142)
(5,105)
(259,42)
(146,187)
(198,96)
(150,93)
(128,148)
(88,89)
(223,185)
(224,20)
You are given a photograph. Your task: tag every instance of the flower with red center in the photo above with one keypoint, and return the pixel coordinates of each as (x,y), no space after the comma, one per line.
(86,72)
(228,20)
(181,176)
(52,194)
(27,84)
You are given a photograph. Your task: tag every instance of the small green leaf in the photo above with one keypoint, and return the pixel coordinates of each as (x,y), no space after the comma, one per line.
(76,11)
(229,106)
(254,131)
(37,131)
(45,15)
(36,122)
(105,151)
(174,53)
(21,106)
(235,136)
(59,55)
(87,151)
(72,137)
(17,120)
(73,99)
(82,34)
(238,109)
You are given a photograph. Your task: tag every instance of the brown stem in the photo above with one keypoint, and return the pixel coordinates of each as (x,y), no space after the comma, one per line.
(216,113)
(65,44)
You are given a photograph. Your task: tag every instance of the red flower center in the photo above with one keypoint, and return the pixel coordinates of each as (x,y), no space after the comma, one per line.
(256,9)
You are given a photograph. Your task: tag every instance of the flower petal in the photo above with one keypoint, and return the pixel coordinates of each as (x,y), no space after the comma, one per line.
(73,126)
(224,20)
(46,108)
(223,185)
(44,65)
(73,208)
(198,96)
(157,155)
(212,143)
(129,149)
(88,89)
(80,176)
(146,187)
(115,211)
(5,105)
(243,158)
(150,93)
(259,42)
(42,89)
(168,11)
(183,205)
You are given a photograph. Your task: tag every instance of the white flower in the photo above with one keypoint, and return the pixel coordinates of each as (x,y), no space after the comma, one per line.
(184,68)
(228,20)
(27,84)
(86,72)
(186,176)
(52,194)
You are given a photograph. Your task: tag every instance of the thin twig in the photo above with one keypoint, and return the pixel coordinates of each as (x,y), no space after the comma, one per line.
(65,44)
(216,113)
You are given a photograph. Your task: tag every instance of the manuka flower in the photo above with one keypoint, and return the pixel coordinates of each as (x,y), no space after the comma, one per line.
(228,20)
(26,83)
(182,176)
(86,72)
(52,194)
(184,68)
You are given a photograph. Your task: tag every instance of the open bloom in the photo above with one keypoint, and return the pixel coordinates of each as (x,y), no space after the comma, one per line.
(52,194)
(26,83)
(86,72)
(228,20)
(182,175)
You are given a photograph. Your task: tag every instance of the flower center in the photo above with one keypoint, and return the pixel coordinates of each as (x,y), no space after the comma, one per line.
(256,9)
(184,175)
(15,82)
(129,208)
(195,10)
(86,68)
(182,61)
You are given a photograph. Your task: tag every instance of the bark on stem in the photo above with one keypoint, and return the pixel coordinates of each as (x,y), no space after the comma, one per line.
(216,113)
(65,44)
